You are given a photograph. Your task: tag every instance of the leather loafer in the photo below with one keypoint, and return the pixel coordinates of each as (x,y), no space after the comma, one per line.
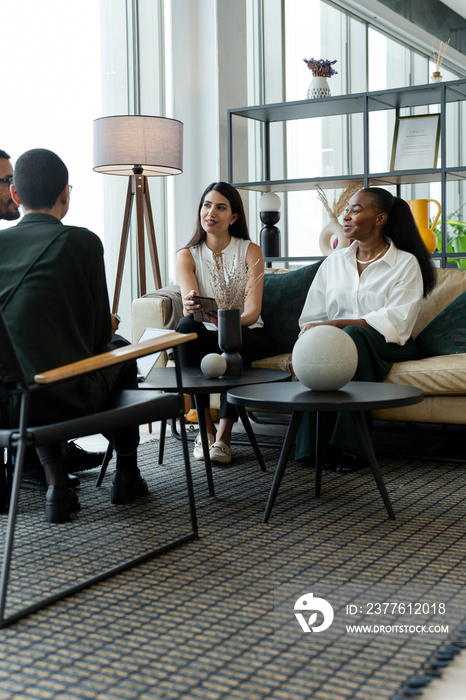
(79,460)
(60,502)
(220,453)
(127,486)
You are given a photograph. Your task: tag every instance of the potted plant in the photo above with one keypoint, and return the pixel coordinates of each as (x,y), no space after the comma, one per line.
(456,238)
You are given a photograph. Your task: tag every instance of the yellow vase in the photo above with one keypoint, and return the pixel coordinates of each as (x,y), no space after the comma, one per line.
(420,210)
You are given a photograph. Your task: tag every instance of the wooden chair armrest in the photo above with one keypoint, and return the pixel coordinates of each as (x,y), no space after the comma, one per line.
(114,357)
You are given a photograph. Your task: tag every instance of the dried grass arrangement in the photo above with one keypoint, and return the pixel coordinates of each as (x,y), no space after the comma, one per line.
(440,56)
(230,284)
(339,204)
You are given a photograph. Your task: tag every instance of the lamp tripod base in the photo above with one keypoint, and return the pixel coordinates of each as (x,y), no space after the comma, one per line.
(138,187)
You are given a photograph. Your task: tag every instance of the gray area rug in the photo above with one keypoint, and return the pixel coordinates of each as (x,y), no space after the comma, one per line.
(217,618)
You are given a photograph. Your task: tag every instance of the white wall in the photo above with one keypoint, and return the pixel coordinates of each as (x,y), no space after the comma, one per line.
(209,74)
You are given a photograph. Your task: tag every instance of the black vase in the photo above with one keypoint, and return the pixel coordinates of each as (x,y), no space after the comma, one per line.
(229,340)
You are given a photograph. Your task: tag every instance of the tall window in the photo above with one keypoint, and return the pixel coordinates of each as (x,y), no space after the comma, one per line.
(67,67)
(52,92)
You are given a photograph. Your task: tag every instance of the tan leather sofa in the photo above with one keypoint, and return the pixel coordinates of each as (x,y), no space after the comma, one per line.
(442,378)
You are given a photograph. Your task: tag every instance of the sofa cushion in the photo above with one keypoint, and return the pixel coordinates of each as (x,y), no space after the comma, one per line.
(450,283)
(282,302)
(441,375)
(446,333)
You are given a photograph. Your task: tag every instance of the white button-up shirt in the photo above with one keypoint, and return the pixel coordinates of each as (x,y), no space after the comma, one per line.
(387,294)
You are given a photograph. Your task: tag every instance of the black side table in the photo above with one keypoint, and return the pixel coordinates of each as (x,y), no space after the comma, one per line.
(356,397)
(200,386)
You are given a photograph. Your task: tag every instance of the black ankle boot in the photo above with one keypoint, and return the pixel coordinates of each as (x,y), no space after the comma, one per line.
(127,485)
(60,502)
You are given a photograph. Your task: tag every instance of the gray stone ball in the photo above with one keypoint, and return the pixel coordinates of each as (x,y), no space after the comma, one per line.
(324,358)
(213,365)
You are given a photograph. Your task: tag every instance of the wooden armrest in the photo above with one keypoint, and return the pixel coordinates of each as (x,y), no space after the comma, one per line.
(114,357)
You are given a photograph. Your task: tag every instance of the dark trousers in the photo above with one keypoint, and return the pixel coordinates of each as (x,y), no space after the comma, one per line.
(117,378)
(253,347)
(375,360)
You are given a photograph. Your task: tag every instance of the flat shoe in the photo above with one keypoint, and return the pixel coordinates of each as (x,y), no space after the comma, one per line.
(198,452)
(127,485)
(60,502)
(220,453)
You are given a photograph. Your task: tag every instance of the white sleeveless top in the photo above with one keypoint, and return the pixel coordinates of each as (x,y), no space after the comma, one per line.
(236,250)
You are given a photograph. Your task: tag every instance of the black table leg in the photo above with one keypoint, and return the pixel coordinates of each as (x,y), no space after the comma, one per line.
(250,433)
(319,453)
(282,462)
(360,421)
(201,403)
(163,432)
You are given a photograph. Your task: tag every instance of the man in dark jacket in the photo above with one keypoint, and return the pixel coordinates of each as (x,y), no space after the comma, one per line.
(53,294)
(76,459)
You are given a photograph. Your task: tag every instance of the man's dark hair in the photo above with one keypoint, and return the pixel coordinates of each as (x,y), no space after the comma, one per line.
(4,154)
(40,176)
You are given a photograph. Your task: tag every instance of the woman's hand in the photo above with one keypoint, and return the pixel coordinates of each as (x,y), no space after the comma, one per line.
(189,305)
(308,326)
(211,316)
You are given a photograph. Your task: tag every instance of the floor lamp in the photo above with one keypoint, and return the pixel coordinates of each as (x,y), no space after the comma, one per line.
(138,147)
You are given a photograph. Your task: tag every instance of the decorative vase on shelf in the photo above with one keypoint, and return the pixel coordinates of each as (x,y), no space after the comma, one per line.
(229,340)
(332,237)
(436,77)
(420,211)
(321,70)
(318,88)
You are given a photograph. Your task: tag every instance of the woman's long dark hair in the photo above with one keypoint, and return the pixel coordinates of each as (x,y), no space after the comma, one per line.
(239,229)
(402,229)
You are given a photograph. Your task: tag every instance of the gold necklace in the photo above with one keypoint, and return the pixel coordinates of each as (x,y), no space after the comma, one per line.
(366,262)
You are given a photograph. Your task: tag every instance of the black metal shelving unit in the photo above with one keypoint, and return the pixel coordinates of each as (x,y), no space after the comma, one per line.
(441,94)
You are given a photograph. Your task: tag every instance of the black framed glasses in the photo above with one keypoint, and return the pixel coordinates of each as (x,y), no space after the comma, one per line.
(8,180)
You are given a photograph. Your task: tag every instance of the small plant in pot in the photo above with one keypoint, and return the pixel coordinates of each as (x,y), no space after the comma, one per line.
(456,238)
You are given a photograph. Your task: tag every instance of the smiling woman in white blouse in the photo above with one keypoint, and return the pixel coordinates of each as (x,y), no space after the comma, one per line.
(372,290)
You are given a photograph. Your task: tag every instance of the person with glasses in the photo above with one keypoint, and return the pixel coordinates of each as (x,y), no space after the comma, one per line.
(9,210)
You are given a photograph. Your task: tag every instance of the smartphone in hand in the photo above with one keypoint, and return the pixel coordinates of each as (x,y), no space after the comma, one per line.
(207,304)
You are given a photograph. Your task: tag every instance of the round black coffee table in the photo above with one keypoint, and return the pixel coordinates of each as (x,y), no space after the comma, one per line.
(356,397)
(198,385)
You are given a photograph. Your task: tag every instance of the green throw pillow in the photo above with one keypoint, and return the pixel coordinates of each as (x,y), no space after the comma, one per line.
(446,333)
(282,303)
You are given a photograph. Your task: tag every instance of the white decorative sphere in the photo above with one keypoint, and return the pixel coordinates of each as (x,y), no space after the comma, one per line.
(213,365)
(270,201)
(324,358)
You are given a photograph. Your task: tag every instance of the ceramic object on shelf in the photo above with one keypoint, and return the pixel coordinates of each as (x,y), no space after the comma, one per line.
(318,88)
(420,210)
(332,237)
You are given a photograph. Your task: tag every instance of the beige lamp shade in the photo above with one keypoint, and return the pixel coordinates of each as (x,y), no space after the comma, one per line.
(122,143)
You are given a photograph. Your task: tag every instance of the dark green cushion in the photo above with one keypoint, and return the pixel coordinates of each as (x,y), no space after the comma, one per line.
(446,333)
(282,303)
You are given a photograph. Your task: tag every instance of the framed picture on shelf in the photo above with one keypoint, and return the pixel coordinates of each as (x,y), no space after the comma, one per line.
(416,142)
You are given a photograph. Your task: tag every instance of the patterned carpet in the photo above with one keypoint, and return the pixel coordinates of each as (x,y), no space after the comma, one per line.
(214,619)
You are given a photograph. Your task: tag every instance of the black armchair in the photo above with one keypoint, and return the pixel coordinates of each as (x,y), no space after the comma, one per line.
(129,407)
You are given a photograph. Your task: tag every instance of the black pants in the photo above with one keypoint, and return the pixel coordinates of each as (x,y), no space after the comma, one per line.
(253,347)
(117,378)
